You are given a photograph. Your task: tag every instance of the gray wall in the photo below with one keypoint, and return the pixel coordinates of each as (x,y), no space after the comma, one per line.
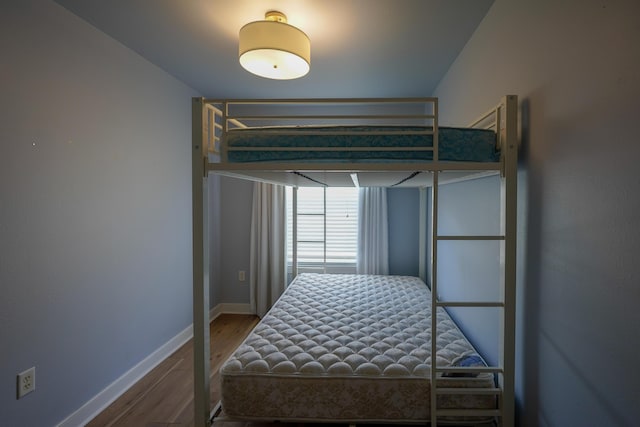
(575,67)
(95,210)
(403,214)
(235,212)
(215,240)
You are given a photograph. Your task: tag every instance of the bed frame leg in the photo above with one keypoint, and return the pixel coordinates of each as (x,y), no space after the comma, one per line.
(215,412)
(201,348)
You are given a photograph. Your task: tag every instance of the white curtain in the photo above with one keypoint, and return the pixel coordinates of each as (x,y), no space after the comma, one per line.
(268,246)
(373,241)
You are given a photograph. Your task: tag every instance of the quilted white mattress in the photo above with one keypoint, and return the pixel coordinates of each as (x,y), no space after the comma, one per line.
(347,348)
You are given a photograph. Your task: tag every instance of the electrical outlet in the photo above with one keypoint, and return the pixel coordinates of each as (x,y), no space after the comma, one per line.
(241,276)
(26,382)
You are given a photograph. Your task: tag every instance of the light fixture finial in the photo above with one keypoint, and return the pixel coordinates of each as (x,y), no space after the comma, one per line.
(275,16)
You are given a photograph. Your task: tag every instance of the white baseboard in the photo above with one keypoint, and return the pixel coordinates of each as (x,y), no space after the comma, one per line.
(230,308)
(106,397)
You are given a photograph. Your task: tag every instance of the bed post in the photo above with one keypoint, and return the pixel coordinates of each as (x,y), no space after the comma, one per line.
(433,404)
(200,203)
(509,146)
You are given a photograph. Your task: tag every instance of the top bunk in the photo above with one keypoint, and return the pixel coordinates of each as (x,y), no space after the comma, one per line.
(389,142)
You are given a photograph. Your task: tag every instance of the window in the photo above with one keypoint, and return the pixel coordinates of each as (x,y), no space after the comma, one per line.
(327,229)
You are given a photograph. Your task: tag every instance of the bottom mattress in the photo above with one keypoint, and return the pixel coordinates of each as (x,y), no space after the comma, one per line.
(352,348)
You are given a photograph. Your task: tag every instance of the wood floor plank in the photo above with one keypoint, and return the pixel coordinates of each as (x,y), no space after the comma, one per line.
(134,395)
(160,405)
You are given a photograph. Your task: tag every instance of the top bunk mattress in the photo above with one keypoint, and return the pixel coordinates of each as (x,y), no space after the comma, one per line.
(349,347)
(349,144)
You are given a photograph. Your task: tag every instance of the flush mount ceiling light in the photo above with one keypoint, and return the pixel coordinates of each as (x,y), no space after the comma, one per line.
(274,49)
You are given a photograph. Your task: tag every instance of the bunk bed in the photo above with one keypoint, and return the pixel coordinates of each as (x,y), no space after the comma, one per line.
(362,142)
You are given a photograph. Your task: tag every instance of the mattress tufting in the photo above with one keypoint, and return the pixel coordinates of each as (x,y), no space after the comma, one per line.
(347,347)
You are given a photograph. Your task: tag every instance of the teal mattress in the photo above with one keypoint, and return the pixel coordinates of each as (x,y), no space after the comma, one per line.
(455,144)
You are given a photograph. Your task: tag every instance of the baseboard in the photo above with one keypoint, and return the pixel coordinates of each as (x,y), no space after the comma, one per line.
(230,308)
(106,397)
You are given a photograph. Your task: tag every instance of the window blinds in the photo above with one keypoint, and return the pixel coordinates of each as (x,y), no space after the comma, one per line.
(327,228)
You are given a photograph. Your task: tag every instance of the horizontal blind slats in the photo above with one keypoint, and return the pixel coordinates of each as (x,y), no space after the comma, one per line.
(341,222)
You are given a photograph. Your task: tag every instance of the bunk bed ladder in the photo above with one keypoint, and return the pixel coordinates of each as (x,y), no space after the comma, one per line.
(504,413)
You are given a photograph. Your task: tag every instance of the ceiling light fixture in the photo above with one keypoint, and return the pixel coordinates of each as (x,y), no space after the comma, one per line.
(274,49)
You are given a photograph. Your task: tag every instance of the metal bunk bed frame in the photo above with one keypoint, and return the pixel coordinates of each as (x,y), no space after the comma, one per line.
(502,118)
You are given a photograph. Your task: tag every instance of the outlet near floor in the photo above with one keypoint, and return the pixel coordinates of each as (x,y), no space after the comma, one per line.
(26,382)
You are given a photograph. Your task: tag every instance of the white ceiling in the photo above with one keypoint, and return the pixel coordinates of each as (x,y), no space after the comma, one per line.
(359,48)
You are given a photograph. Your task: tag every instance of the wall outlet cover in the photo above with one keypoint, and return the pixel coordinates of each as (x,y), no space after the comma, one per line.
(26,382)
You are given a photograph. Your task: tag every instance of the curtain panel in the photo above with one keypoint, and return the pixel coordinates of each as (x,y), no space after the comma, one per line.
(373,238)
(267,275)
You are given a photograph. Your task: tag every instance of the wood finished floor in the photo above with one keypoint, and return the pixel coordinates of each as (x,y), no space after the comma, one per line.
(164,397)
